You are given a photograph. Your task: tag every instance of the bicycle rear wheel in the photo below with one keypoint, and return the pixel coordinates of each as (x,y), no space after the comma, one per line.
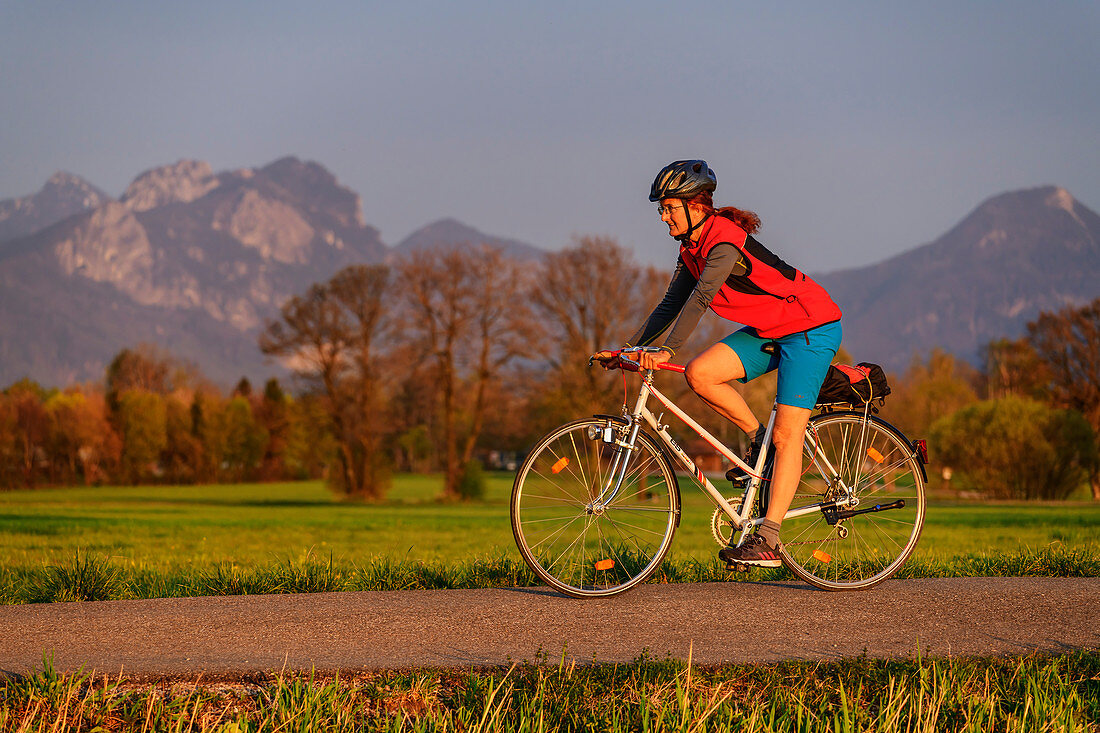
(581,546)
(849,547)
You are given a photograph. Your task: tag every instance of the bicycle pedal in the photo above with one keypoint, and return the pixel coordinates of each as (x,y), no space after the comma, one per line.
(737,566)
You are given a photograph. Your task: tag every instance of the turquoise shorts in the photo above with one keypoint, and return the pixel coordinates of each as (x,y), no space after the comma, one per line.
(802,359)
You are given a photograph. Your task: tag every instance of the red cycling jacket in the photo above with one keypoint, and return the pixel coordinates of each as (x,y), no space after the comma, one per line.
(763,291)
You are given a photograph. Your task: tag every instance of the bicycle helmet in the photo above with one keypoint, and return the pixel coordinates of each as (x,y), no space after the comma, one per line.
(682,179)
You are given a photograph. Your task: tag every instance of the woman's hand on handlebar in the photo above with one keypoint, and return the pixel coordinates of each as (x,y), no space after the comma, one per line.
(637,357)
(650,359)
(608,359)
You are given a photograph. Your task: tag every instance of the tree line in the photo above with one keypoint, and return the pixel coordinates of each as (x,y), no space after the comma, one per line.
(1025,424)
(444,361)
(438,361)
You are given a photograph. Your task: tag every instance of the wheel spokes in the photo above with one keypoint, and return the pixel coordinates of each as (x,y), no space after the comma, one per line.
(870,462)
(612,545)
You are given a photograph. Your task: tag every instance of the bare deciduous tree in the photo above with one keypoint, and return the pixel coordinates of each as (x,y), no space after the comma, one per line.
(592,296)
(465,312)
(329,337)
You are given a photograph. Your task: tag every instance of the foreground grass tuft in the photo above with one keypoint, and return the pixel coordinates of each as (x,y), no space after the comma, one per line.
(90,577)
(1059,693)
(84,578)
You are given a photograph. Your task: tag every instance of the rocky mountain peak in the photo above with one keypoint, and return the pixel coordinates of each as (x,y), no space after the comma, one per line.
(183,181)
(189,258)
(1026,203)
(451,233)
(320,191)
(1060,198)
(63,195)
(1022,224)
(447,231)
(66,187)
(1016,255)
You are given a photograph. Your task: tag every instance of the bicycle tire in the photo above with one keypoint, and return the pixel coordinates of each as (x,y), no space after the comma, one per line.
(578,552)
(881,467)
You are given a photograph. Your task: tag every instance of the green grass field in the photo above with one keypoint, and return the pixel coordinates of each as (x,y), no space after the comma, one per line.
(173,527)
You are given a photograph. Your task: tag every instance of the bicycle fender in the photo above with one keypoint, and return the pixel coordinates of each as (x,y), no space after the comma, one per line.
(614,418)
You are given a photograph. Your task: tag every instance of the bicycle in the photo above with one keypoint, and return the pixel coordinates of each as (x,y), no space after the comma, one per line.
(596,502)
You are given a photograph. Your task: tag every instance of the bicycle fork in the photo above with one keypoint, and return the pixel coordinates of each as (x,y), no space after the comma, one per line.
(619,465)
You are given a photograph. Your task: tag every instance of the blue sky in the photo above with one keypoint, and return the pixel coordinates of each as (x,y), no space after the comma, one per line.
(856,130)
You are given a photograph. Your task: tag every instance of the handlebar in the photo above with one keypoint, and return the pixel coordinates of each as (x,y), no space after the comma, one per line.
(632,366)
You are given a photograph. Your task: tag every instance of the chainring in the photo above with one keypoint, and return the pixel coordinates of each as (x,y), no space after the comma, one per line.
(721,528)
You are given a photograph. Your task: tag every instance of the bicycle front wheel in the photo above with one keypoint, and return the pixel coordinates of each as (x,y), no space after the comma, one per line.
(865,480)
(580,535)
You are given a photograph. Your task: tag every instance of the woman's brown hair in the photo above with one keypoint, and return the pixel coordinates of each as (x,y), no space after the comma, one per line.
(747,220)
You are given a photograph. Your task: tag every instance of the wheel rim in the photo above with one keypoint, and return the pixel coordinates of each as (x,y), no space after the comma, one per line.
(879,466)
(573,542)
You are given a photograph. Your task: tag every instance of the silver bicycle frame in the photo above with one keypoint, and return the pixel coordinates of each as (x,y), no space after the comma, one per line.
(741,520)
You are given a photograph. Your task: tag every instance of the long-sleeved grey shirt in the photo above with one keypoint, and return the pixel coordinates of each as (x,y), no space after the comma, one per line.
(687,298)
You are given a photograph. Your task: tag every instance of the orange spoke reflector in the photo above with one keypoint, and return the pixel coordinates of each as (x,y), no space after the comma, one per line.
(822,556)
(605,564)
(875,455)
(560,465)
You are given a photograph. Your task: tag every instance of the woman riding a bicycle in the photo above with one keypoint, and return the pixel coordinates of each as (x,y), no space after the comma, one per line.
(723,267)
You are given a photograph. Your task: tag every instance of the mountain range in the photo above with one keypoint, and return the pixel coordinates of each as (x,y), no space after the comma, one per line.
(1016,255)
(186,259)
(195,261)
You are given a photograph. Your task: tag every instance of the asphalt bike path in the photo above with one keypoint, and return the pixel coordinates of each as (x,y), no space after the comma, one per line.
(227,637)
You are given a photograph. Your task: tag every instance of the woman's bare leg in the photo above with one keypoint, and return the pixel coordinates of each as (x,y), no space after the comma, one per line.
(788,435)
(709,375)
